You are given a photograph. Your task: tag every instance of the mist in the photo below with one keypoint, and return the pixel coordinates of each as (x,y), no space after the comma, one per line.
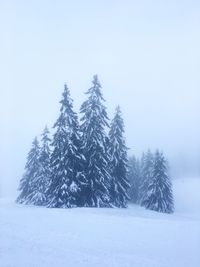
(147,59)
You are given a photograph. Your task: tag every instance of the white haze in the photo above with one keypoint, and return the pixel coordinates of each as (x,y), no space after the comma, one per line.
(146,54)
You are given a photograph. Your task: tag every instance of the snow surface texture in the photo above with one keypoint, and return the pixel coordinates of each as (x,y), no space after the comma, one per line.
(87,237)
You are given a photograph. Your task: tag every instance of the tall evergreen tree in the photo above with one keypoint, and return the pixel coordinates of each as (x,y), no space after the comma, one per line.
(159,195)
(40,183)
(67,178)
(94,121)
(32,169)
(134,176)
(118,162)
(147,165)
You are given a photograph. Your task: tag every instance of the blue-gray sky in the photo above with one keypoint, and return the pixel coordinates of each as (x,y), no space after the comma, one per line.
(146,54)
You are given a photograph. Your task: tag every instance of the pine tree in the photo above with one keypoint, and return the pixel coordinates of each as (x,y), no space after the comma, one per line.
(147,164)
(32,169)
(94,121)
(41,182)
(159,193)
(118,162)
(45,157)
(67,161)
(134,176)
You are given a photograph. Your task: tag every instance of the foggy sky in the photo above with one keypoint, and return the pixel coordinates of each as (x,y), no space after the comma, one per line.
(146,54)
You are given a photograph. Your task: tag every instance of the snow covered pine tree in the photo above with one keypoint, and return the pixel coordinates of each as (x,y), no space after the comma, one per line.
(67,180)
(147,165)
(159,193)
(32,169)
(94,121)
(38,196)
(134,177)
(118,162)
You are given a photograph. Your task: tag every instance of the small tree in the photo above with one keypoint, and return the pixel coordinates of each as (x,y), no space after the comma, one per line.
(45,163)
(118,162)
(159,193)
(41,182)
(32,172)
(93,125)
(147,165)
(134,176)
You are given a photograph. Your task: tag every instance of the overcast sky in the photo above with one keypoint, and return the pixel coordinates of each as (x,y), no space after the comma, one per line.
(147,56)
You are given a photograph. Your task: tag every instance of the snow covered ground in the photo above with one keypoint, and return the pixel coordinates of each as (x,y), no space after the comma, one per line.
(133,237)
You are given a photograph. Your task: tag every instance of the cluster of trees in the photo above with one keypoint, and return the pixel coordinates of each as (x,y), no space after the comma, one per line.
(150,182)
(86,165)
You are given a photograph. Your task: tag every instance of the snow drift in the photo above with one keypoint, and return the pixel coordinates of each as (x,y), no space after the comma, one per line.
(39,237)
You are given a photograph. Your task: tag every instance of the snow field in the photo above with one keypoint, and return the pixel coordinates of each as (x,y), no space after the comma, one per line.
(39,237)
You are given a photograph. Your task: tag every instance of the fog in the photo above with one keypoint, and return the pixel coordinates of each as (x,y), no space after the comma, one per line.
(146,54)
